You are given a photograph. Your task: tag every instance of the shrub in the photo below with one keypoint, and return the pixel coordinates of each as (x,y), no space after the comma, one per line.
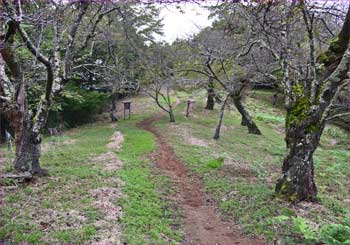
(215,163)
(76,106)
(335,234)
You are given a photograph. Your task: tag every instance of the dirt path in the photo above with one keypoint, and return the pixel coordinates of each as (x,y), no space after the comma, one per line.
(201,222)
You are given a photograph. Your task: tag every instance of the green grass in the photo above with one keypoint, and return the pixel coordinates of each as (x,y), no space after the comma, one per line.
(27,212)
(239,170)
(147,218)
(72,175)
(244,190)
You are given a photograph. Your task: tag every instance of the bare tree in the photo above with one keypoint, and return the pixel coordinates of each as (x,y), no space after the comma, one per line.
(161,80)
(27,127)
(218,60)
(311,85)
(57,64)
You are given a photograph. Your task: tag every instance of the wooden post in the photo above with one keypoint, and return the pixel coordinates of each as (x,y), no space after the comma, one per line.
(127,106)
(189,102)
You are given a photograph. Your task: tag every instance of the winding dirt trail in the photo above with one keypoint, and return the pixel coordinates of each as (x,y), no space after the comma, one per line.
(202,224)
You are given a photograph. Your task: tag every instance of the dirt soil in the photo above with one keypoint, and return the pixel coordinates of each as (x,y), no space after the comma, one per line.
(202,224)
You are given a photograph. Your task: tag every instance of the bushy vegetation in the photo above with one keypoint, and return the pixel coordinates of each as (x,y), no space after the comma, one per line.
(76,106)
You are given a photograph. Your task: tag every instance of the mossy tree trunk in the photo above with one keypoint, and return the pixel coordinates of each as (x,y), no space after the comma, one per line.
(210,95)
(28,151)
(244,121)
(305,122)
(26,128)
(29,126)
(297,181)
(308,108)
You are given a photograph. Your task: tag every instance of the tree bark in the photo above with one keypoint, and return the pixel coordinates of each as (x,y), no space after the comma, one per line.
(221,116)
(16,120)
(246,119)
(306,118)
(113,110)
(171,114)
(28,128)
(28,152)
(297,182)
(210,99)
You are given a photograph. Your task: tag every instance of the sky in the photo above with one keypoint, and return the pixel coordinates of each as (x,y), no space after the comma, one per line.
(181,25)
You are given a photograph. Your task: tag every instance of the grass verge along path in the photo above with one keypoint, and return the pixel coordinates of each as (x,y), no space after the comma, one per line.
(201,222)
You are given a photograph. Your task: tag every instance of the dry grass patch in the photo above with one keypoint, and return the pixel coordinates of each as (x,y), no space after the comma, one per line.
(108,229)
(235,168)
(105,196)
(46,147)
(116,141)
(50,219)
(110,161)
(188,138)
(107,233)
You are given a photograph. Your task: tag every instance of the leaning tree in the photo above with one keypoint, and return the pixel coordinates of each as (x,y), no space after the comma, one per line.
(217,56)
(311,75)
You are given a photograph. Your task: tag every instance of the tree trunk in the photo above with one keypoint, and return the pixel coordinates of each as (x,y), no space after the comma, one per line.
(210,100)
(297,182)
(246,119)
(221,116)
(171,114)
(113,108)
(274,99)
(29,150)
(16,120)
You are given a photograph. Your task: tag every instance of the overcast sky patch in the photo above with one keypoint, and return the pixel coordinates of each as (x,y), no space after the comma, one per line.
(183,23)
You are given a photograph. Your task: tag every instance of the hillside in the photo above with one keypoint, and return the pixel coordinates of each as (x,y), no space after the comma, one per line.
(114,182)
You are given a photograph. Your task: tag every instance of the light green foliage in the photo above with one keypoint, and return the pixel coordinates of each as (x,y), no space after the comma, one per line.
(215,163)
(264,117)
(301,226)
(335,234)
(335,45)
(279,219)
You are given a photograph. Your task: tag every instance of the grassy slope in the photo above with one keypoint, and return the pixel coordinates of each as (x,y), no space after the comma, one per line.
(146,216)
(244,190)
(72,175)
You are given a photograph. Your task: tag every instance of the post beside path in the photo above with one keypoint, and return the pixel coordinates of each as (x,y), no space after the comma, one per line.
(189,103)
(127,107)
